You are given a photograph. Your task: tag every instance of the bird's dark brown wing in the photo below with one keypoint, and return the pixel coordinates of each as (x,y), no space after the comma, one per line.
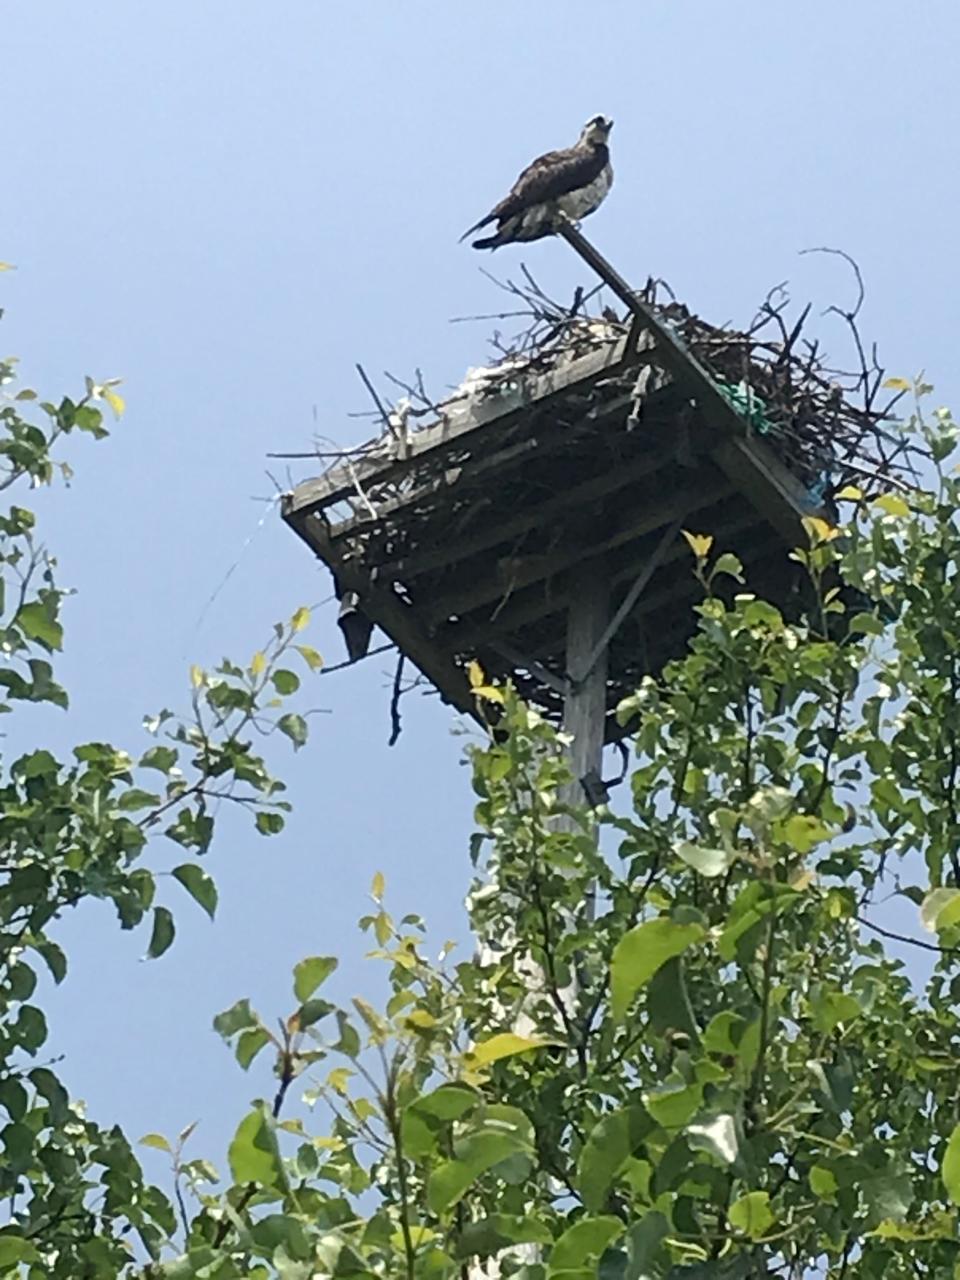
(551,176)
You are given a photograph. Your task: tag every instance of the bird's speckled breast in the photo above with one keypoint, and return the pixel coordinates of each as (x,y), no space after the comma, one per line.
(578,204)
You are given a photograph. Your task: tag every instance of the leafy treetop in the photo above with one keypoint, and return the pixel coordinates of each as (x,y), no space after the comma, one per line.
(725,1073)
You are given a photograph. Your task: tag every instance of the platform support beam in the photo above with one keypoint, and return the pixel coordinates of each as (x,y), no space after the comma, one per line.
(585,703)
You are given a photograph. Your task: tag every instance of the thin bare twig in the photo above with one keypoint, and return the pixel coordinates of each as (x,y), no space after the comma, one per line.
(385,416)
(395,725)
(906,939)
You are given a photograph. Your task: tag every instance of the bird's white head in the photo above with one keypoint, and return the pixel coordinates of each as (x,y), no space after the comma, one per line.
(596,130)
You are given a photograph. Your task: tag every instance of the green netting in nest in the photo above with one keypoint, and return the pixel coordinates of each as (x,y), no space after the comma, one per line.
(751,407)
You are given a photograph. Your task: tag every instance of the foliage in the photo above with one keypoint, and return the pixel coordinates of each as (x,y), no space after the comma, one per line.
(720,1070)
(81,828)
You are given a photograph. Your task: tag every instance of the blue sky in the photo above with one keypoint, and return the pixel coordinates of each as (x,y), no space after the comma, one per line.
(228,204)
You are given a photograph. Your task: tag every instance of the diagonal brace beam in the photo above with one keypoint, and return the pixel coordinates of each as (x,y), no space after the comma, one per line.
(629,600)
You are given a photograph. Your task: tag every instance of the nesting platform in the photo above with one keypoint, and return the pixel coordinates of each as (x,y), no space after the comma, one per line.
(472,536)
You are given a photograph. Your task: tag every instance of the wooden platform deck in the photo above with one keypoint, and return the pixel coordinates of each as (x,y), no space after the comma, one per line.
(469,538)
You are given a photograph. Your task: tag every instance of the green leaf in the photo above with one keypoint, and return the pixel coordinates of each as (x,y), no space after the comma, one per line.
(823,1183)
(37,620)
(249,1044)
(295,728)
(282,1235)
(674,1102)
(950,1169)
(285,682)
(54,958)
(451,1178)
(830,1008)
(724,1032)
(802,831)
(448,1101)
(497,1133)
(349,1042)
(751,1214)
(749,909)
(30,1028)
(199,885)
(867,624)
(15,1249)
(91,420)
(48,1086)
(269,823)
(133,798)
(888,1197)
(38,764)
(610,1145)
(506,1044)
(705,861)
(644,1240)
(641,952)
(21,982)
(310,973)
(939,1224)
(156,1140)
(488,1236)
(940,909)
(18,1144)
(728,563)
(892,504)
(163,932)
(161,758)
(310,656)
(254,1155)
(425,1119)
(237,1018)
(924,1062)
(668,1003)
(583,1242)
(13,1098)
(311,1011)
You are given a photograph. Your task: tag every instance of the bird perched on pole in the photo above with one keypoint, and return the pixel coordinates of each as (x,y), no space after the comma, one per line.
(573,182)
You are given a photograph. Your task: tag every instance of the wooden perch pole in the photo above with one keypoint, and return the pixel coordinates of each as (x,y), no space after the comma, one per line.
(773,489)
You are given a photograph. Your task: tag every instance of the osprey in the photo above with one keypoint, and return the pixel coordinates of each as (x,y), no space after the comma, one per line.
(573,182)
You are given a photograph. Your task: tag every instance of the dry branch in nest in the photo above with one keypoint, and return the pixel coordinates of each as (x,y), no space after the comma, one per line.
(830,425)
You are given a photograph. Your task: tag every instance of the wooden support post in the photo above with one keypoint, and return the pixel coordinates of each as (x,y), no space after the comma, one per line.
(585,703)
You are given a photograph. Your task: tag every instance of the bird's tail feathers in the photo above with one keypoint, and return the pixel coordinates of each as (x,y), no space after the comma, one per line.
(484,222)
(491,242)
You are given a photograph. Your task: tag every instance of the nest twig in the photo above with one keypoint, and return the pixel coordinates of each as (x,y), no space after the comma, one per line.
(830,425)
